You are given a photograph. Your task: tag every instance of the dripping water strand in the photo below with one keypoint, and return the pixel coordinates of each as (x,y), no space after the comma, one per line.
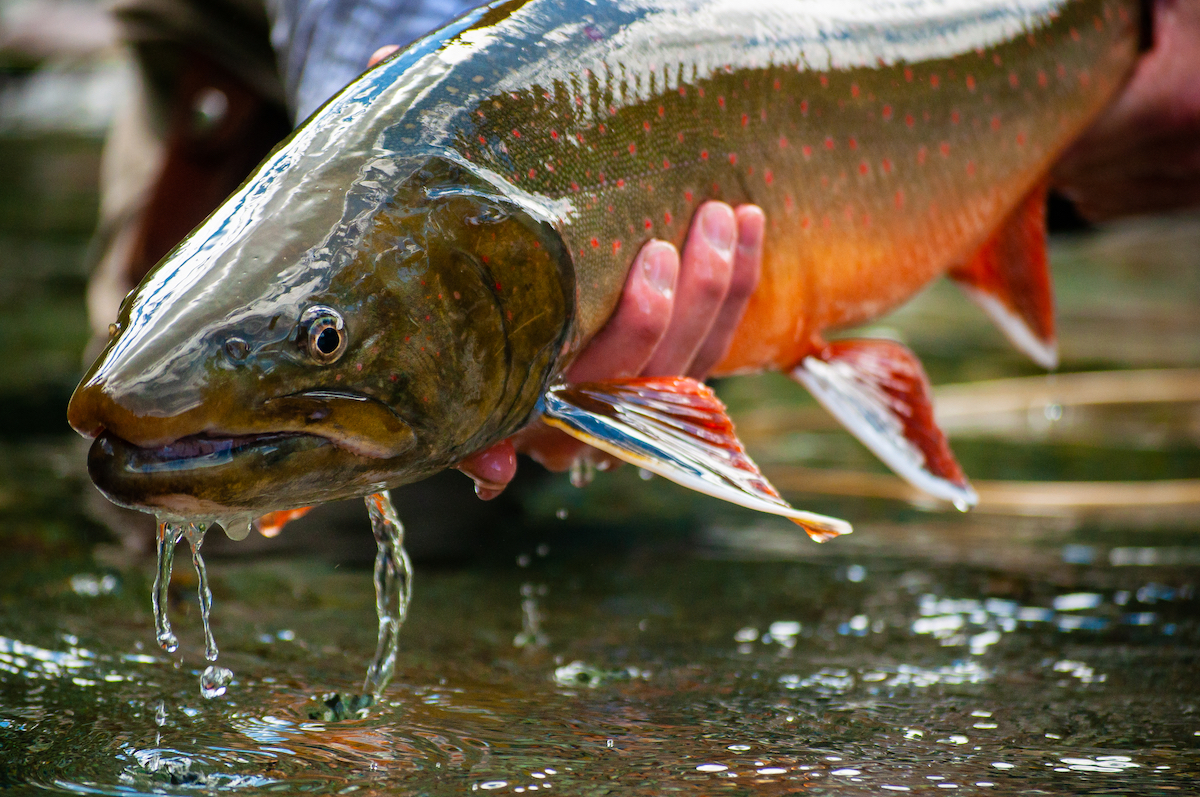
(195,537)
(393,589)
(169,535)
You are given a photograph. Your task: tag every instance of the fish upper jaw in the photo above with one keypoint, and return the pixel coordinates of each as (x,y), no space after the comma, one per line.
(359,424)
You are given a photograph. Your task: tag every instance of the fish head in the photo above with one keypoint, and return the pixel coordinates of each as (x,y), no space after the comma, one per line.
(255,374)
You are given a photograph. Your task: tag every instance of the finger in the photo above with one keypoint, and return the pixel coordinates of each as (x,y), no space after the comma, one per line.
(630,337)
(747,269)
(382,53)
(705,271)
(491,469)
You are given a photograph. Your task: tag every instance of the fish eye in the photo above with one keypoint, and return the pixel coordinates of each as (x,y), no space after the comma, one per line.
(323,334)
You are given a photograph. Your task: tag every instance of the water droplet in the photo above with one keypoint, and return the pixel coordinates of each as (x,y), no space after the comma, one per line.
(645,475)
(1053,412)
(583,472)
(160,714)
(214,681)
(561,514)
(961,505)
(393,589)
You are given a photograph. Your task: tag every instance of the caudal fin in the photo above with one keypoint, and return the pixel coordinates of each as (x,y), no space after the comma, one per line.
(1010,279)
(878,390)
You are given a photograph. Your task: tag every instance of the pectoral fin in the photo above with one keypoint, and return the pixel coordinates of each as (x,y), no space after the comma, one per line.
(677,428)
(878,390)
(1010,279)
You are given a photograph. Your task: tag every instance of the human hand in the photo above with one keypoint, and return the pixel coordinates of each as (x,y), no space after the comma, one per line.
(1143,154)
(675,316)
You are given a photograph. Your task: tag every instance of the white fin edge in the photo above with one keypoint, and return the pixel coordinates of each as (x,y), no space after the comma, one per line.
(862,413)
(1014,328)
(700,473)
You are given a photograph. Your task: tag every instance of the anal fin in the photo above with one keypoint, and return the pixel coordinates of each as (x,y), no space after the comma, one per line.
(1010,279)
(675,427)
(878,390)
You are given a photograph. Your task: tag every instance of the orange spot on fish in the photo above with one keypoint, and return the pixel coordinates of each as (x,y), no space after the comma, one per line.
(805,223)
(683,91)
(970,82)
(804,107)
(824,81)
(616,246)
(620,182)
(679,137)
(922,153)
(908,75)
(1075,35)
(854,90)
(777,84)
(886,112)
(667,216)
(863,168)
(829,143)
(516,133)
(732,158)
(574,186)
(899,199)
(887,166)
(1020,139)
(394,378)
(996,59)
(783,142)
(533,173)
(632,149)
(807,150)
(646,126)
(853,143)
(955,117)
(769,176)
(995,122)
(687,196)
(1013,79)
(970,168)
(745,119)
(662,111)
(648,224)
(482,140)
(554,135)
(934,81)
(721,101)
(908,119)
(1043,81)
(601,129)
(944,148)
(595,243)
(703,154)
(666,164)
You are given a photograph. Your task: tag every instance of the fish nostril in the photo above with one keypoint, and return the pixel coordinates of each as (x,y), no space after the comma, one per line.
(237,349)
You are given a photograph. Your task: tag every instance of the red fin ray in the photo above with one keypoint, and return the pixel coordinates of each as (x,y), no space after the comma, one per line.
(1010,279)
(878,390)
(675,427)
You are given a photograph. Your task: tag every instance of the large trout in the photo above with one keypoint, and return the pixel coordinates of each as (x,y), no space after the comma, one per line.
(404,281)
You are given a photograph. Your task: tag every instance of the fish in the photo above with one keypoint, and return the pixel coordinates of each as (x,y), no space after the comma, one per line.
(406,279)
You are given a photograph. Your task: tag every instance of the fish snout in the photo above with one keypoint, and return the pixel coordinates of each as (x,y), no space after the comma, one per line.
(95,409)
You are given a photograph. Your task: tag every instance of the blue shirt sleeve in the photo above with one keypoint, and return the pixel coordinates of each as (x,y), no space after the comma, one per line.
(321,45)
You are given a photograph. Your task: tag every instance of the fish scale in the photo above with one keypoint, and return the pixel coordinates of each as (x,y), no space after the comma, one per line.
(846,163)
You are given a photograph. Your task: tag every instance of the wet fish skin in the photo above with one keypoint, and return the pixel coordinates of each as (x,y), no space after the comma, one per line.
(472,205)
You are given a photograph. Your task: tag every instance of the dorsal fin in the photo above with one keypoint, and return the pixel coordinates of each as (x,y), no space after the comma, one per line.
(675,427)
(1010,279)
(878,390)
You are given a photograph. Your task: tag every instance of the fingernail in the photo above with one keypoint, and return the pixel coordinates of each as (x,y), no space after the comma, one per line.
(660,267)
(719,227)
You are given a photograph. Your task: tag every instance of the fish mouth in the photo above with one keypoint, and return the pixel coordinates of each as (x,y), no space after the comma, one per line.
(316,447)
